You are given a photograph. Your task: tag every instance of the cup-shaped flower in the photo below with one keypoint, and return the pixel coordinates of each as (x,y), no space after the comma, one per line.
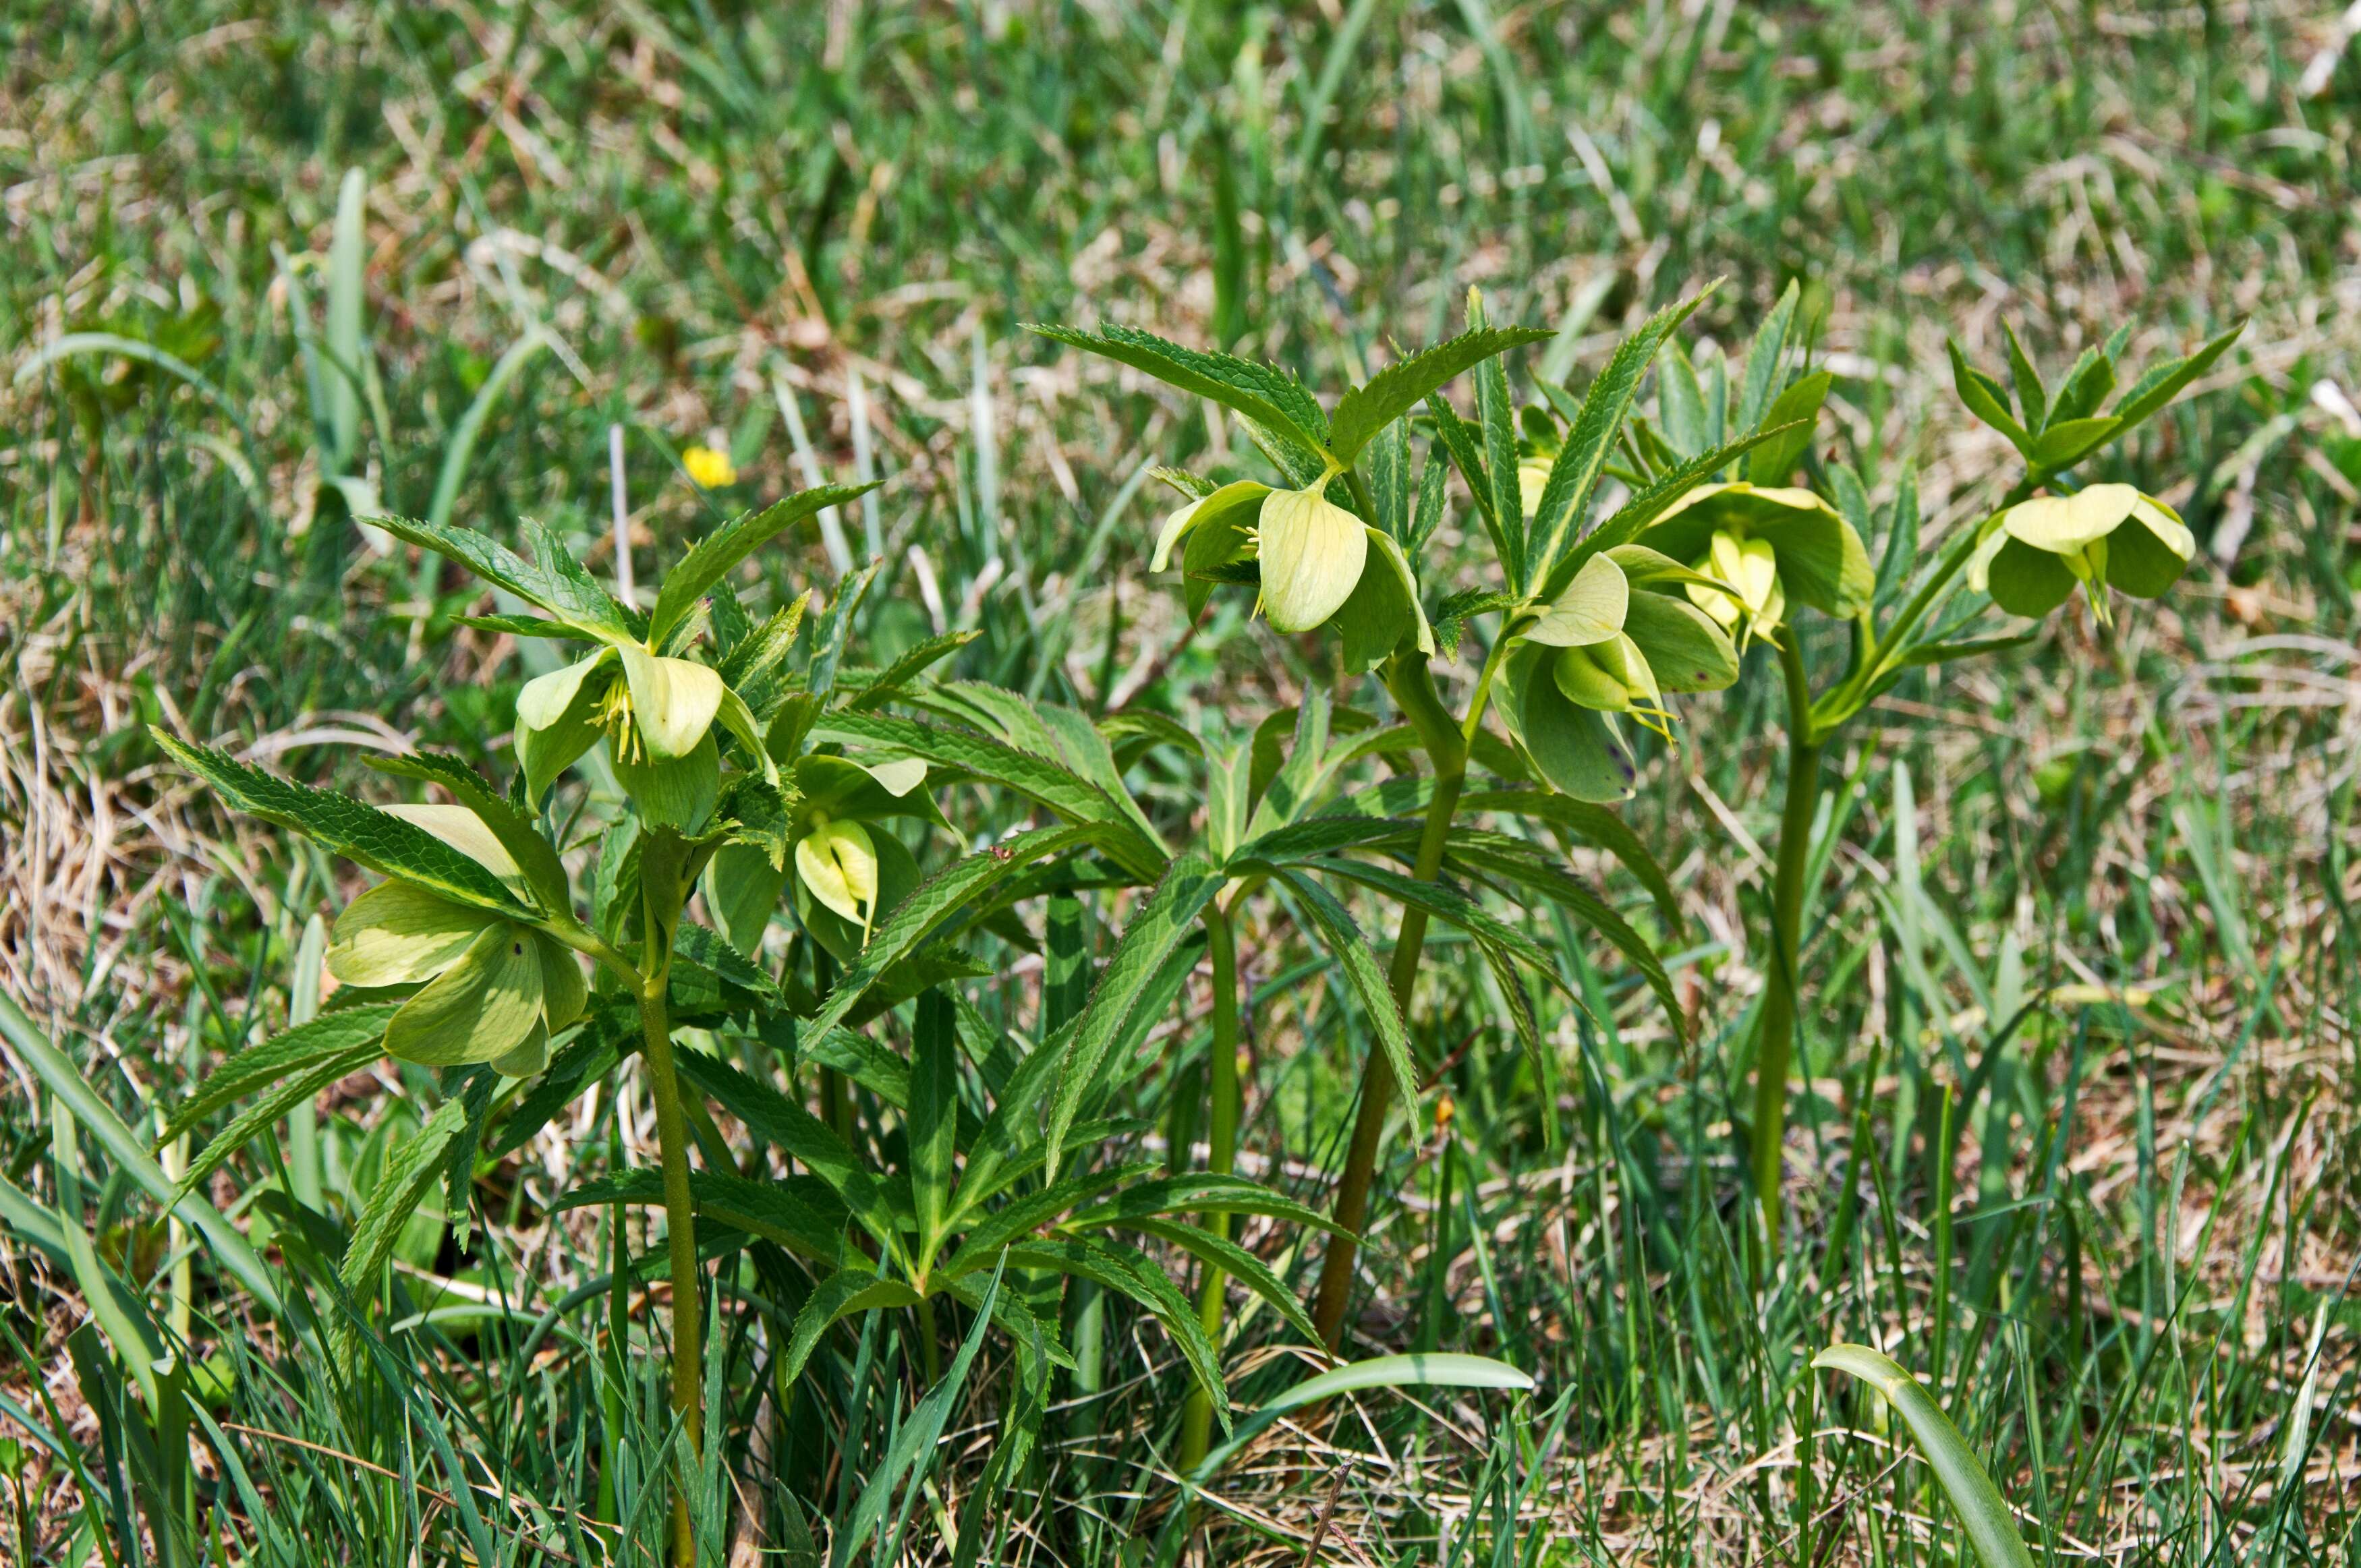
(1771,544)
(489,990)
(847,870)
(1312,551)
(2102,536)
(1620,636)
(656,714)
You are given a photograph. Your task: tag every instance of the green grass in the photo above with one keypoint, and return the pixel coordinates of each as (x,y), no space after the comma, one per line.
(2153,1206)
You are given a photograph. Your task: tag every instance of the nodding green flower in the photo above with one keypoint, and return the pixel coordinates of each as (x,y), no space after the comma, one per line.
(1312,553)
(1771,543)
(838,861)
(491,989)
(1751,566)
(1315,559)
(1612,644)
(2102,536)
(847,871)
(656,715)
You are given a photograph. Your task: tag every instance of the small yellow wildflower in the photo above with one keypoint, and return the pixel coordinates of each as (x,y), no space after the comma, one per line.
(708,468)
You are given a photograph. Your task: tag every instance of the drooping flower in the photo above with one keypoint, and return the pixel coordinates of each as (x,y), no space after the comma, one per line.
(491,989)
(656,714)
(1312,553)
(2101,536)
(1612,644)
(1770,543)
(847,870)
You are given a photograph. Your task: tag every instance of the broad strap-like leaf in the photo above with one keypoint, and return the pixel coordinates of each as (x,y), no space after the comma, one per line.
(415,1166)
(1580,462)
(710,558)
(1271,398)
(1344,940)
(1984,1516)
(534,855)
(377,839)
(1439,1371)
(329,1036)
(1597,823)
(1401,387)
(1519,864)
(1164,920)
(1129,1272)
(571,596)
(936,900)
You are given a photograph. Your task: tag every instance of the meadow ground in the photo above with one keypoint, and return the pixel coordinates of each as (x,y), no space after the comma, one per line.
(2076,1131)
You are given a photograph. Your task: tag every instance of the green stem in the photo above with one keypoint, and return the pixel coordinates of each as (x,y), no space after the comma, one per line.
(1196,1423)
(1413,686)
(680,1224)
(1778,1039)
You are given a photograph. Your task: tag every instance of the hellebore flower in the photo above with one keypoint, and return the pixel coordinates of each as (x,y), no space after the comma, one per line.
(1315,560)
(1771,543)
(491,989)
(1613,643)
(2105,535)
(1533,481)
(656,715)
(847,872)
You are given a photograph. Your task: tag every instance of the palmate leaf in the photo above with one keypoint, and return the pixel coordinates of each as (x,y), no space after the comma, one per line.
(1343,939)
(556,583)
(710,558)
(329,1036)
(936,900)
(377,839)
(1583,459)
(1271,398)
(1984,1516)
(1164,920)
(1401,387)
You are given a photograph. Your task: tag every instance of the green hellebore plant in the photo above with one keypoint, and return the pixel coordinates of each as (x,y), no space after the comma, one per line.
(1771,543)
(656,715)
(846,875)
(1315,560)
(492,990)
(2104,536)
(1622,635)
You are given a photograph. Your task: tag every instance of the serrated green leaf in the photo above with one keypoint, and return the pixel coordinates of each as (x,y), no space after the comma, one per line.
(413,1169)
(1163,920)
(571,596)
(537,859)
(375,839)
(1235,1261)
(842,1294)
(1401,387)
(1798,407)
(259,1118)
(1129,1273)
(711,557)
(1517,863)
(933,1115)
(1589,821)
(1985,400)
(332,1035)
(1345,942)
(1574,474)
(1271,398)
(1645,508)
